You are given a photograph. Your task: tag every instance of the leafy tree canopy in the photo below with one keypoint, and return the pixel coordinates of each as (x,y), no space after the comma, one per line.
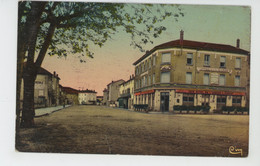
(78,24)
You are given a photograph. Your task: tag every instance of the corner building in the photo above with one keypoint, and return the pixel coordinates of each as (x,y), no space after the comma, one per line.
(184,72)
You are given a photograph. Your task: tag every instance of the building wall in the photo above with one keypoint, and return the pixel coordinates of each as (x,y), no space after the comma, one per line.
(113,92)
(87,98)
(105,97)
(178,68)
(128,88)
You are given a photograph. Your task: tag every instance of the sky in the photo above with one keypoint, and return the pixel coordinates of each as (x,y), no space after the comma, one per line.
(113,61)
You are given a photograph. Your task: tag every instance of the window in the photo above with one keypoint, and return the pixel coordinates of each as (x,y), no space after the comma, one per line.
(149,80)
(237,80)
(154,60)
(153,80)
(206,79)
(222,61)
(222,79)
(236,99)
(189,58)
(145,66)
(146,80)
(165,77)
(150,63)
(188,78)
(188,99)
(166,57)
(206,60)
(238,63)
(221,99)
(136,70)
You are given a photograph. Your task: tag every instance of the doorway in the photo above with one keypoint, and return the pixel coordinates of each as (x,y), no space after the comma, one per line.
(164,101)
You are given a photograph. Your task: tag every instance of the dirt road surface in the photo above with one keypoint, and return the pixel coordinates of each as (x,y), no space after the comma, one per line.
(104,130)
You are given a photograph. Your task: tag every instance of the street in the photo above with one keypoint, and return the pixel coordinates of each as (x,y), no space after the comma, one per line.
(105,130)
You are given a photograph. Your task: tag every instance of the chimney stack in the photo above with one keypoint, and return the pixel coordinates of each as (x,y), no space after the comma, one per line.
(181,37)
(238,43)
(54,73)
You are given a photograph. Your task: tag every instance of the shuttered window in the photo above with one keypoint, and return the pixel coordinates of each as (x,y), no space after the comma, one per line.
(165,77)
(222,79)
(189,58)
(237,80)
(188,78)
(222,61)
(206,79)
(166,57)
(238,63)
(206,60)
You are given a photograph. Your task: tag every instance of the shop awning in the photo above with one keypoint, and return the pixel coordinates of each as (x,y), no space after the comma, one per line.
(211,92)
(144,92)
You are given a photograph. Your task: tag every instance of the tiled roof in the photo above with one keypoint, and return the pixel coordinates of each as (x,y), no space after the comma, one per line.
(44,71)
(195,45)
(70,90)
(115,82)
(87,91)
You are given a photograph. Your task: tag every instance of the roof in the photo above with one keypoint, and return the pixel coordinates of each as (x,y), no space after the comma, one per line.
(44,71)
(132,78)
(87,91)
(70,90)
(195,45)
(115,82)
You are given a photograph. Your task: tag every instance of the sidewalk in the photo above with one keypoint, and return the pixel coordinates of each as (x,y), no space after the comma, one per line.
(48,110)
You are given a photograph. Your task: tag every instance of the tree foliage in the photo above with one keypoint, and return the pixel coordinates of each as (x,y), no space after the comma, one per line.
(62,28)
(79,24)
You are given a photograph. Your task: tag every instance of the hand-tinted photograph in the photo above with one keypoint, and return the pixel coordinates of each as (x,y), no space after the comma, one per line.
(133,79)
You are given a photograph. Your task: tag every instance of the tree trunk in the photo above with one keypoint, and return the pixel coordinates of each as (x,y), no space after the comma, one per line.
(28,111)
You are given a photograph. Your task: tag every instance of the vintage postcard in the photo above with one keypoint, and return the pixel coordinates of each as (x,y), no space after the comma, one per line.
(133,79)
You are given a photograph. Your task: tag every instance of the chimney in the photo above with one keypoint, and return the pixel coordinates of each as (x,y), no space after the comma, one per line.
(54,73)
(238,43)
(181,37)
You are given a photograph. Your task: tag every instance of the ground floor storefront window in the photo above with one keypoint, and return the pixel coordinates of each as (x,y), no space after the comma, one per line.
(221,101)
(236,101)
(188,99)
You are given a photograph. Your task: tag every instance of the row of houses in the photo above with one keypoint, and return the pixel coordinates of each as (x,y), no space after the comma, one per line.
(48,92)
(185,72)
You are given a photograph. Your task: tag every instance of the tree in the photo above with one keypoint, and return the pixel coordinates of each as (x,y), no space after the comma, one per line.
(59,28)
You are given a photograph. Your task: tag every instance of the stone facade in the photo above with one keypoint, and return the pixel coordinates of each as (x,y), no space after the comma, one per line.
(183,72)
(126,91)
(87,97)
(70,96)
(46,89)
(113,92)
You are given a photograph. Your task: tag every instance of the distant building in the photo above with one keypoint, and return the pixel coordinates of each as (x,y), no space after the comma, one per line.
(46,89)
(87,97)
(113,92)
(191,73)
(126,91)
(105,96)
(70,96)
